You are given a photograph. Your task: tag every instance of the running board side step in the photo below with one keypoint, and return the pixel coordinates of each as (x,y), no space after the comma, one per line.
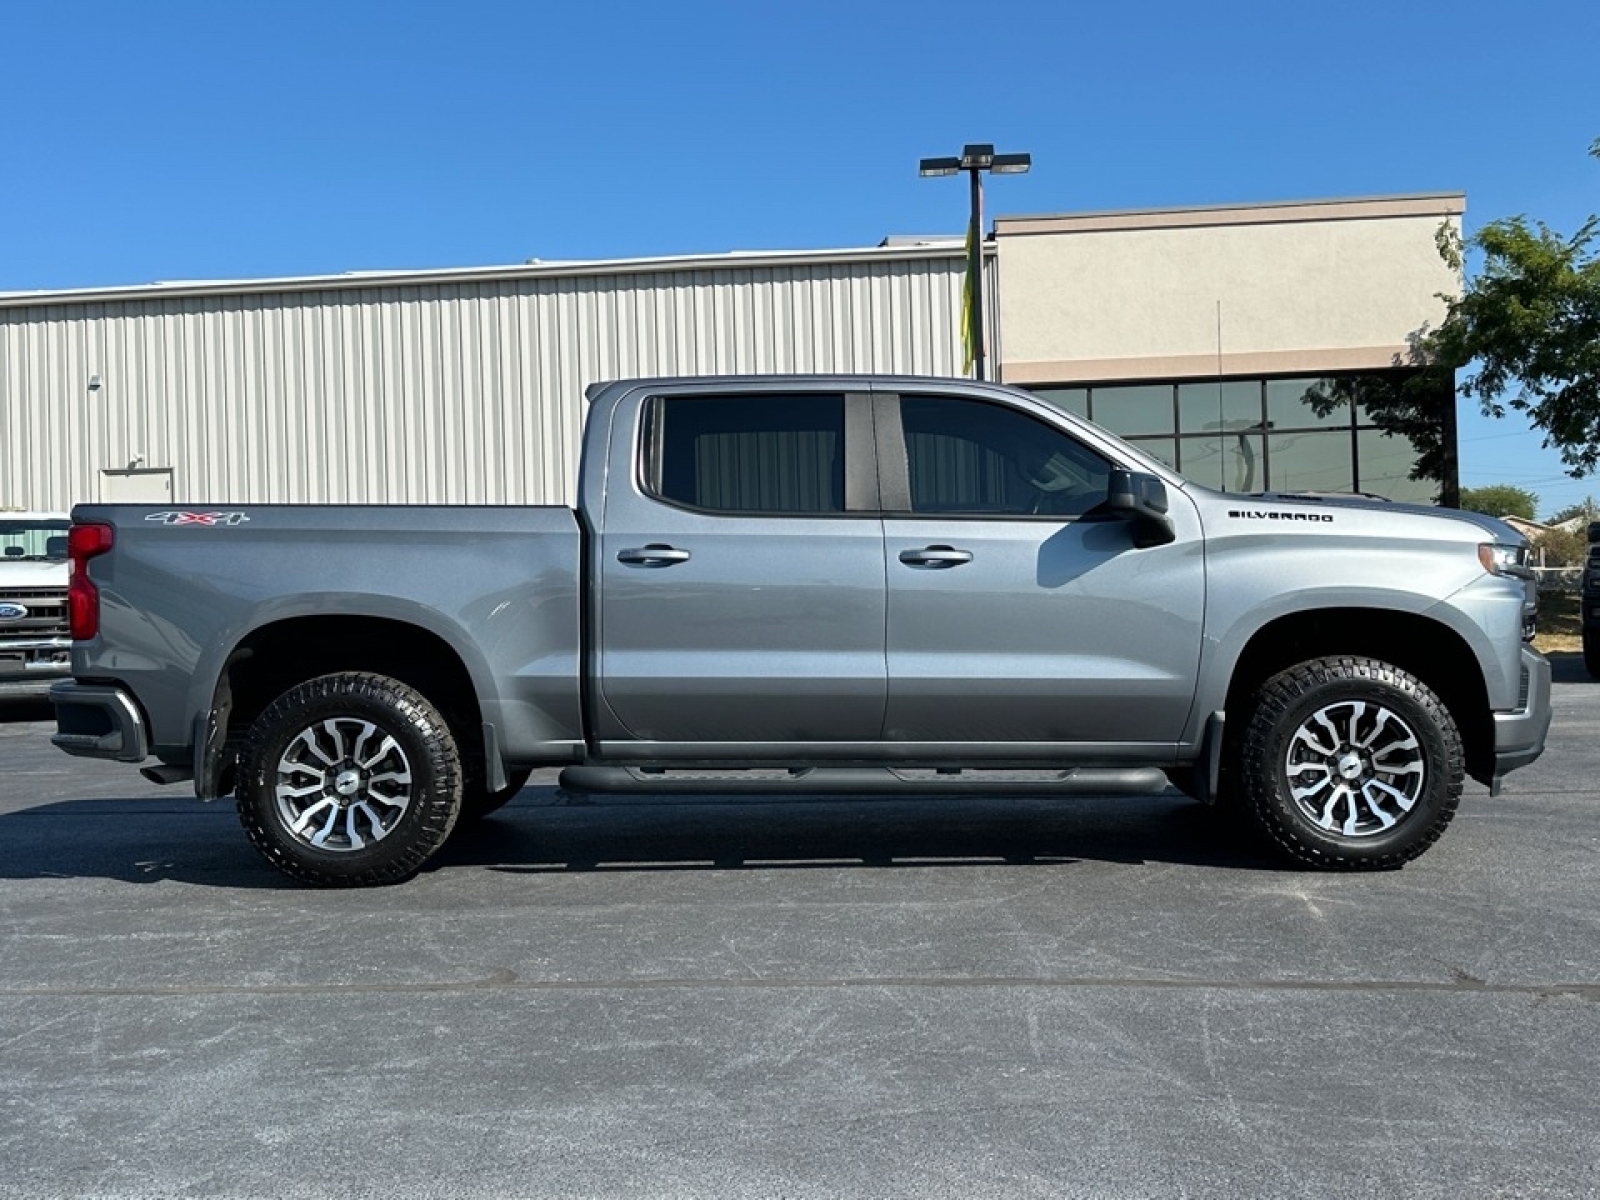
(857,781)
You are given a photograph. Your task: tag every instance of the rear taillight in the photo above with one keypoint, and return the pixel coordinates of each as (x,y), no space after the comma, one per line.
(83,598)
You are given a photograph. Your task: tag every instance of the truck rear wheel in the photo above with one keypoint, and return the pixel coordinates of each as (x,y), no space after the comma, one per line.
(349,780)
(1349,763)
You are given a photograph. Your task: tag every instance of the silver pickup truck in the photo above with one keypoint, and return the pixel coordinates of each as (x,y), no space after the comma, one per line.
(836,584)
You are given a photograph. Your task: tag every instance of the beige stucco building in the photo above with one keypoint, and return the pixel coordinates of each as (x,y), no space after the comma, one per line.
(1242,344)
(1239,343)
(1325,285)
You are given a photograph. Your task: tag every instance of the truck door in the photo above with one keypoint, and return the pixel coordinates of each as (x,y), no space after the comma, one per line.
(741,576)
(1013,622)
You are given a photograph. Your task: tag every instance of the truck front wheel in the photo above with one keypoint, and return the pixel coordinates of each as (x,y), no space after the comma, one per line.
(349,780)
(1349,763)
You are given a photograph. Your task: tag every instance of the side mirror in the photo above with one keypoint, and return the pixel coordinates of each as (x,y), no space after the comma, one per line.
(1141,500)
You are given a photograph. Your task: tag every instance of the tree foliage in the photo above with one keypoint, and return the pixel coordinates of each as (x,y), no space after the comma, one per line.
(1500,500)
(1529,323)
(1587,509)
(1563,547)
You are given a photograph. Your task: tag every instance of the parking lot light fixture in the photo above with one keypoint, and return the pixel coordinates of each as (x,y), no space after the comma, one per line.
(975,159)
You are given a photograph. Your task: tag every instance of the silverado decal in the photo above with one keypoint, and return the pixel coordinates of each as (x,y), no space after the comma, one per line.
(1255,514)
(193,518)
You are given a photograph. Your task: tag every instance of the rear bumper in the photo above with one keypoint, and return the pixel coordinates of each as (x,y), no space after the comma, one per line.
(99,721)
(1519,735)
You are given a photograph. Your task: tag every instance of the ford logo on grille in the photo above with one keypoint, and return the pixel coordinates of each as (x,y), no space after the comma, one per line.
(12,612)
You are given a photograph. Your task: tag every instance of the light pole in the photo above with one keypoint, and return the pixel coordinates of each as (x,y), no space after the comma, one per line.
(975,160)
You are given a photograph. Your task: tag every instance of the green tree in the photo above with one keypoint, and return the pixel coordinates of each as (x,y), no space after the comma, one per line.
(1500,500)
(1529,322)
(1588,510)
(1563,548)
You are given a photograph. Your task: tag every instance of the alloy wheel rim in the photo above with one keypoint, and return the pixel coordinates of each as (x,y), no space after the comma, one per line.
(1355,768)
(342,785)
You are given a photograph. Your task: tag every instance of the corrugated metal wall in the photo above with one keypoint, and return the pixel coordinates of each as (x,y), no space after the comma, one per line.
(462,390)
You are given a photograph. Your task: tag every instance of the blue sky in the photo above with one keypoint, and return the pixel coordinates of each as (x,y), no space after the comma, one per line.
(163,140)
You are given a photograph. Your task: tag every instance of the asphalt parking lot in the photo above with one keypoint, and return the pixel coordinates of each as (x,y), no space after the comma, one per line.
(895,998)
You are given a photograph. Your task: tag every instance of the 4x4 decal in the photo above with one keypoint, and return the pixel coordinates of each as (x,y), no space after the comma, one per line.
(194,518)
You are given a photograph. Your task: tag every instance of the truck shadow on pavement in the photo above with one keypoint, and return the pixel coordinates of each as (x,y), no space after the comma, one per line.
(150,840)
(541,832)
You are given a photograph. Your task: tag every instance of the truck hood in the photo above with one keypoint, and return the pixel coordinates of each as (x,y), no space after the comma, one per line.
(1496,530)
(25,574)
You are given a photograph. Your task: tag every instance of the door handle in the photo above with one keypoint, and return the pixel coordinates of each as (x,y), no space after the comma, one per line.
(936,557)
(653,555)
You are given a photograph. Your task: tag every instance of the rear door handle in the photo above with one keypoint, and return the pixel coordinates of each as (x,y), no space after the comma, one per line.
(937,557)
(653,555)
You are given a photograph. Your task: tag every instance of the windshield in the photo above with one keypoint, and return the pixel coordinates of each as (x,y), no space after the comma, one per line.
(34,539)
(1142,459)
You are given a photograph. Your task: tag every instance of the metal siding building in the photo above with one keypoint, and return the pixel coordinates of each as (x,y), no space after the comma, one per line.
(1205,335)
(462,386)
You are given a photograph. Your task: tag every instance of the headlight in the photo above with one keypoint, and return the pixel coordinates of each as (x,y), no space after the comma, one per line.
(1500,559)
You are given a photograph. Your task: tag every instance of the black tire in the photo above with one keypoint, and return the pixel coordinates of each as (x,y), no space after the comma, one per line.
(1373,753)
(1591,651)
(478,802)
(349,780)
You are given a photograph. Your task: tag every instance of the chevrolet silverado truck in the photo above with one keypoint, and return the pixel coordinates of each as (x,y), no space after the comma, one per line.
(842,585)
(35,648)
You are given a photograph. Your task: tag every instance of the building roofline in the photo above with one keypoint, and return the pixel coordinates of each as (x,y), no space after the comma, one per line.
(511,272)
(1357,208)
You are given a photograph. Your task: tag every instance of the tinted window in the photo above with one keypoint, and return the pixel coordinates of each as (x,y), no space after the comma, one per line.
(1072,400)
(964,456)
(1299,403)
(1312,462)
(1216,407)
(1144,408)
(749,454)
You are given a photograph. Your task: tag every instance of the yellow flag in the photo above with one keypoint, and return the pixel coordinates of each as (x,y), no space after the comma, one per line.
(969,343)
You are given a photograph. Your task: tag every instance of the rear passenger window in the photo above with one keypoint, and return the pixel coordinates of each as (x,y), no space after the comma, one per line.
(747,454)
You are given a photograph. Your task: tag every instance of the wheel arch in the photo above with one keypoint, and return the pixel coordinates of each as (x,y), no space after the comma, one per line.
(273,657)
(1429,649)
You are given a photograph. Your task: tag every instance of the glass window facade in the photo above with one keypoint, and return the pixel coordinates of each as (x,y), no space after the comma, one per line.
(1385,433)
(1143,409)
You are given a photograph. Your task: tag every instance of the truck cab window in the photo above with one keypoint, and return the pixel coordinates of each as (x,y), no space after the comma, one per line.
(747,454)
(968,457)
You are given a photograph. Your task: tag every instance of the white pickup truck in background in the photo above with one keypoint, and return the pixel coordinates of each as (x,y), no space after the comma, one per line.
(35,647)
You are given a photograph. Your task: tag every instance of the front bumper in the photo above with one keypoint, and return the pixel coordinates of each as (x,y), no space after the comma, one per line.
(18,687)
(1519,735)
(99,721)
(29,668)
